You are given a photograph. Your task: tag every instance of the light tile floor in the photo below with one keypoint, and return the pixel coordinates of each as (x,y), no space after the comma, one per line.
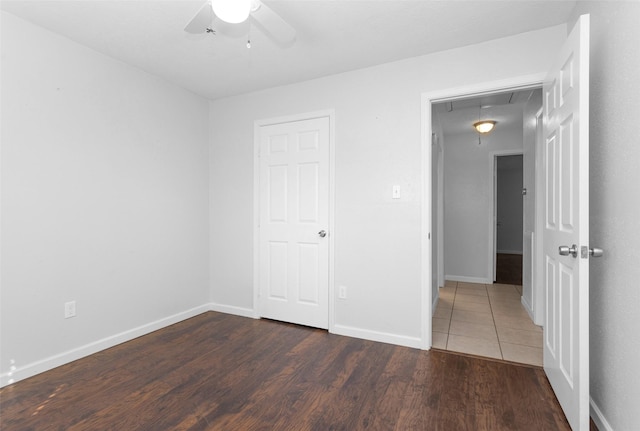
(486,320)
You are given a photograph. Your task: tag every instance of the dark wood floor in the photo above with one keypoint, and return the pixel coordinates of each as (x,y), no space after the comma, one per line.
(222,372)
(509,268)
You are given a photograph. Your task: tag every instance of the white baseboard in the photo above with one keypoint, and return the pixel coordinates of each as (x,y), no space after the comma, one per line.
(434,305)
(231,309)
(381,337)
(598,417)
(468,279)
(30,370)
(527,307)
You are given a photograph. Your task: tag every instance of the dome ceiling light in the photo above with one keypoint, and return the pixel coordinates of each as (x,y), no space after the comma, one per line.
(484,126)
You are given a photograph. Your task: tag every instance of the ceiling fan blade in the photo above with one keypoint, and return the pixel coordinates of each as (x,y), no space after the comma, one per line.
(201,21)
(273,25)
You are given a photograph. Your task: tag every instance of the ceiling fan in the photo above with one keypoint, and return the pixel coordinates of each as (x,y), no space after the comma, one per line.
(238,11)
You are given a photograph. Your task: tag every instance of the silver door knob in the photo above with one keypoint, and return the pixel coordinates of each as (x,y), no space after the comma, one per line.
(322,233)
(564,250)
(596,252)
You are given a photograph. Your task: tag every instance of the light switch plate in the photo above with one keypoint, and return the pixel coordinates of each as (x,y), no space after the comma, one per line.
(342,292)
(69,309)
(396,192)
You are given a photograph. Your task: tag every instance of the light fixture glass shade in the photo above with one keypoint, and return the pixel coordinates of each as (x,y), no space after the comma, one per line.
(231,11)
(484,126)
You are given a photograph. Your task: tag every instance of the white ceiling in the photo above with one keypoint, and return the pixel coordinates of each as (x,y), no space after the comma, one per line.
(333,36)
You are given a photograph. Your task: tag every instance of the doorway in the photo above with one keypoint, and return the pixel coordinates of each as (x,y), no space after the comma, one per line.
(509,215)
(474,314)
(562,166)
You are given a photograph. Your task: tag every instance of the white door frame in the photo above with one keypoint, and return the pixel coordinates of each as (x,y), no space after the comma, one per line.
(537,270)
(493,231)
(330,113)
(427,98)
(440,221)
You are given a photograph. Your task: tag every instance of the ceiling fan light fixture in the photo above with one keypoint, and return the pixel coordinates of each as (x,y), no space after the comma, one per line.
(485,126)
(231,11)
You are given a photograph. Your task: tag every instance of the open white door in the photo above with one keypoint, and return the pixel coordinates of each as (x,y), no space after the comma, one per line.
(566,226)
(294,220)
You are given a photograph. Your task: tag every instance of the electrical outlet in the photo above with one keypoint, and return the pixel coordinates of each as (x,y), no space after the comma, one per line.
(342,292)
(69,309)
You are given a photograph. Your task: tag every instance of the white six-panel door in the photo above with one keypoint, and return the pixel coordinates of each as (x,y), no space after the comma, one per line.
(566,224)
(293,223)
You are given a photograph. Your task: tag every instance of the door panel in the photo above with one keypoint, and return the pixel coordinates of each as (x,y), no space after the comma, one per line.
(277,189)
(308,257)
(566,176)
(277,276)
(308,180)
(294,208)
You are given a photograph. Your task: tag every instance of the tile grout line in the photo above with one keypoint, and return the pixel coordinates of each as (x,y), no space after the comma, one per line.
(453,304)
(495,327)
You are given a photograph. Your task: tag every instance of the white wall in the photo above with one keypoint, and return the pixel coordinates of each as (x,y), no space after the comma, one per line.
(104,199)
(377,239)
(509,205)
(468,201)
(614,211)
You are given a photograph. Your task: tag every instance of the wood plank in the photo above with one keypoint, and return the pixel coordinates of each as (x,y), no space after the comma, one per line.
(218,371)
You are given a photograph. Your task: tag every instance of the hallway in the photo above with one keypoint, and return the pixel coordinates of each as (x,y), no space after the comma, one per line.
(486,320)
